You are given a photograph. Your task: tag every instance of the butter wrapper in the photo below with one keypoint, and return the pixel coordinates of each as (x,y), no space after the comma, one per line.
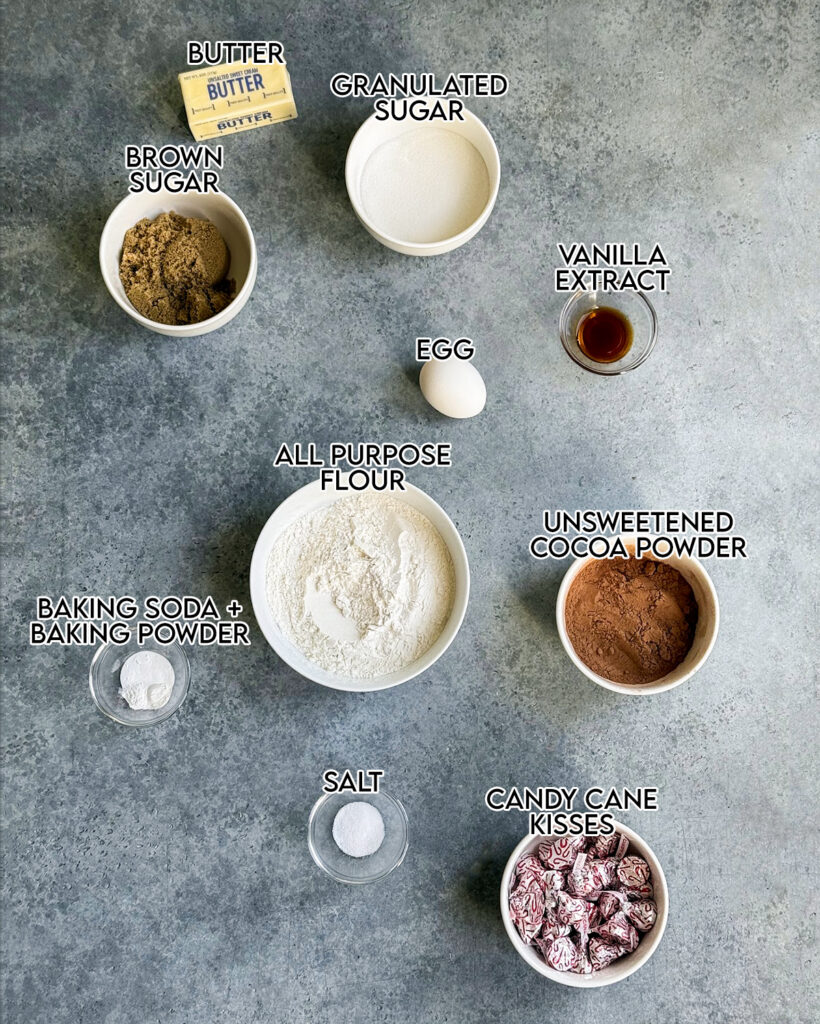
(233,98)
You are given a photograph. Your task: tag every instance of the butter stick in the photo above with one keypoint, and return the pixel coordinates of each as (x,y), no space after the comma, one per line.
(233,98)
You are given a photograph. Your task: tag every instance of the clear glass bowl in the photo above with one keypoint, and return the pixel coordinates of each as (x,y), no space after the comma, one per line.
(635,307)
(357,870)
(104,680)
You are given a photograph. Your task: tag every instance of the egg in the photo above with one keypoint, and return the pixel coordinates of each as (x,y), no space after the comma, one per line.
(453,387)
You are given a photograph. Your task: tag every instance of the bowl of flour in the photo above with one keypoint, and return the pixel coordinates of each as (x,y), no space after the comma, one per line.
(359,591)
(423,188)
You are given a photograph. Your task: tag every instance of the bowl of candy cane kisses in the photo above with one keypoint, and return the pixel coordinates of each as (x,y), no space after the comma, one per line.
(585,911)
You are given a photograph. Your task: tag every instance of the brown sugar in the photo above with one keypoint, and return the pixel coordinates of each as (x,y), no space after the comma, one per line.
(173,269)
(631,620)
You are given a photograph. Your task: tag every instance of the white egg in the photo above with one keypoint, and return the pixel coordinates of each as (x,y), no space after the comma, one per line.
(454,387)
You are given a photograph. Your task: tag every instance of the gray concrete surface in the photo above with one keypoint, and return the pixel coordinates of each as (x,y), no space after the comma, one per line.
(163,875)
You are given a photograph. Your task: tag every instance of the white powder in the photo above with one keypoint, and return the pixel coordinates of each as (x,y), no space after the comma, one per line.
(146,681)
(358,829)
(425,185)
(363,587)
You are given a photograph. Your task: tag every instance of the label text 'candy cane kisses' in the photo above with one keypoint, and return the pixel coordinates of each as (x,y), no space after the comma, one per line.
(551,808)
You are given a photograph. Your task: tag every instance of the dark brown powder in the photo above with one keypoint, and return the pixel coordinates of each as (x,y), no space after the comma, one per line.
(173,269)
(631,620)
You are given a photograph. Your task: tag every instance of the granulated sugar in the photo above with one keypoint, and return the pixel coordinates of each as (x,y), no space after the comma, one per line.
(425,185)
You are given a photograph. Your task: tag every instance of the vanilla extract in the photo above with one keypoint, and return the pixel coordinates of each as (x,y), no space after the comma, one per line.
(611,254)
(604,334)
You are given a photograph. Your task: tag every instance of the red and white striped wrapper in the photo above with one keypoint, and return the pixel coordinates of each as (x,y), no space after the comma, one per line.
(619,931)
(571,909)
(639,892)
(527,912)
(562,954)
(621,848)
(556,880)
(603,846)
(583,966)
(561,853)
(633,942)
(587,923)
(552,928)
(583,879)
(633,872)
(529,862)
(643,914)
(602,953)
(543,943)
(610,902)
(531,872)
(605,872)
(583,903)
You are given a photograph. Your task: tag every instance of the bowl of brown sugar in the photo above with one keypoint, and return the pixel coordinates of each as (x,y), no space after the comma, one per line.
(180,265)
(637,625)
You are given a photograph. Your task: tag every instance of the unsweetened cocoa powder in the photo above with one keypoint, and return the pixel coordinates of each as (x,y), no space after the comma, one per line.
(631,620)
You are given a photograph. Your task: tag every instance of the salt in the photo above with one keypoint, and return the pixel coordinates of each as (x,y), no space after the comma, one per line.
(358,829)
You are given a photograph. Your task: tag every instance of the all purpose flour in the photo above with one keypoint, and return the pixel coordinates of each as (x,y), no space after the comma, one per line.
(363,587)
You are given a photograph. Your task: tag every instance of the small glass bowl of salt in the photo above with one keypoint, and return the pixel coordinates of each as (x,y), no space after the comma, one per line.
(357,837)
(139,684)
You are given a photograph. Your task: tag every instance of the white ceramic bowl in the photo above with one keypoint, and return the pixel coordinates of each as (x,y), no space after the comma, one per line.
(373,134)
(621,968)
(310,498)
(215,207)
(705,632)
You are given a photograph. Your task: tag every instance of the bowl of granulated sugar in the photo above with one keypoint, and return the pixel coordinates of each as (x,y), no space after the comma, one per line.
(423,189)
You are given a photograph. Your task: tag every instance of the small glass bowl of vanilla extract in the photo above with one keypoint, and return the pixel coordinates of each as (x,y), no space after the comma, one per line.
(608,332)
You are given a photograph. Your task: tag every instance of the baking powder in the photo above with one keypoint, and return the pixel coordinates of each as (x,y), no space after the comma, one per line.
(146,681)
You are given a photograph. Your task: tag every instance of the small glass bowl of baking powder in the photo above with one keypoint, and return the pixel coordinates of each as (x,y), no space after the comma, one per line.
(105,680)
(357,870)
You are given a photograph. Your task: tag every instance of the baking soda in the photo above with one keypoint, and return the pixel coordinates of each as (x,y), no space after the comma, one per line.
(146,681)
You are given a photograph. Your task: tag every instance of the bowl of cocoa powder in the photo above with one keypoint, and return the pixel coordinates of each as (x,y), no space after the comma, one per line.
(637,625)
